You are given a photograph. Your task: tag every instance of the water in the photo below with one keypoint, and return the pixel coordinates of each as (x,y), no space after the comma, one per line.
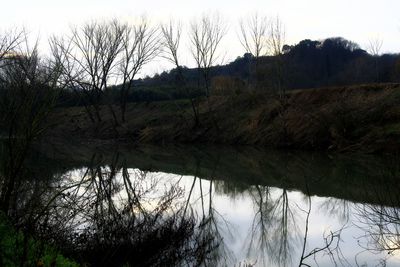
(220,206)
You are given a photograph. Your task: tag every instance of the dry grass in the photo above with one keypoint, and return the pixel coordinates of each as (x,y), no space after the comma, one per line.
(365,117)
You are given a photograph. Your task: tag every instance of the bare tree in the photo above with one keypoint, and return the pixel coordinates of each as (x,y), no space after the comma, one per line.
(375,45)
(90,57)
(205,37)
(140,44)
(277,36)
(253,36)
(374,48)
(171,32)
(28,94)
(171,40)
(9,41)
(276,42)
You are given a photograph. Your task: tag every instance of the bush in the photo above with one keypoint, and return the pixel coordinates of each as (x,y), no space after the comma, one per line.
(37,253)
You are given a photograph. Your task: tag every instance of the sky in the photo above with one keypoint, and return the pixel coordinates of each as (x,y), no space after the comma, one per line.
(356,20)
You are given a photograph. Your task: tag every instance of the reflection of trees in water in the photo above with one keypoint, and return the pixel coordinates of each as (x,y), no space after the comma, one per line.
(111,215)
(329,247)
(381,222)
(337,208)
(107,213)
(280,229)
(212,227)
(274,231)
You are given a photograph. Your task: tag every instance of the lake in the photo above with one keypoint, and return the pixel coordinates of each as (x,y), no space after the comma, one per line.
(214,206)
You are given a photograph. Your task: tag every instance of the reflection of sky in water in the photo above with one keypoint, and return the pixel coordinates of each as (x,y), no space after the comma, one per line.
(236,214)
(239,211)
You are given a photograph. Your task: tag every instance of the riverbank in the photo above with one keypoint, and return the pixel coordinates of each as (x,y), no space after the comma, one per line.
(362,118)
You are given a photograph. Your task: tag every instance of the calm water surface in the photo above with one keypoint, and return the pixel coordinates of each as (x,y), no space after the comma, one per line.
(225,206)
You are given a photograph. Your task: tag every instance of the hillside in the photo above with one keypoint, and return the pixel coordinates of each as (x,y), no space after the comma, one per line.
(359,118)
(308,64)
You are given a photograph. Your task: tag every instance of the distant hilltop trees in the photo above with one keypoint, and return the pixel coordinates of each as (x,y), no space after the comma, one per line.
(308,64)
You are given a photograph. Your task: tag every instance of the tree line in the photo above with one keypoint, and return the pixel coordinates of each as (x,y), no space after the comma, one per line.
(308,64)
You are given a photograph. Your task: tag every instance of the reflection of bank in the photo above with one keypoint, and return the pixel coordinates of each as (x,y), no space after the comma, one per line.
(350,177)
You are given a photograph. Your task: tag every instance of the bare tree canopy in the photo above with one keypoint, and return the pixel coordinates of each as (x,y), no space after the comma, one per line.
(140,45)
(277,36)
(375,45)
(253,35)
(89,58)
(205,38)
(103,53)
(171,40)
(10,41)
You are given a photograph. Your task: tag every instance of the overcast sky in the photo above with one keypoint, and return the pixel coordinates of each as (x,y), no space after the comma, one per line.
(356,20)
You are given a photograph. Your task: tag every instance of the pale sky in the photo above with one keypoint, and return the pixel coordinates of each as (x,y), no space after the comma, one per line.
(356,20)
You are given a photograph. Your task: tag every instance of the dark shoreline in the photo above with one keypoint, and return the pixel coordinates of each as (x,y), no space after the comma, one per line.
(373,178)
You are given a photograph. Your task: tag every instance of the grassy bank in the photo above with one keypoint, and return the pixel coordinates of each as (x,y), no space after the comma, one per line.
(18,249)
(358,118)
